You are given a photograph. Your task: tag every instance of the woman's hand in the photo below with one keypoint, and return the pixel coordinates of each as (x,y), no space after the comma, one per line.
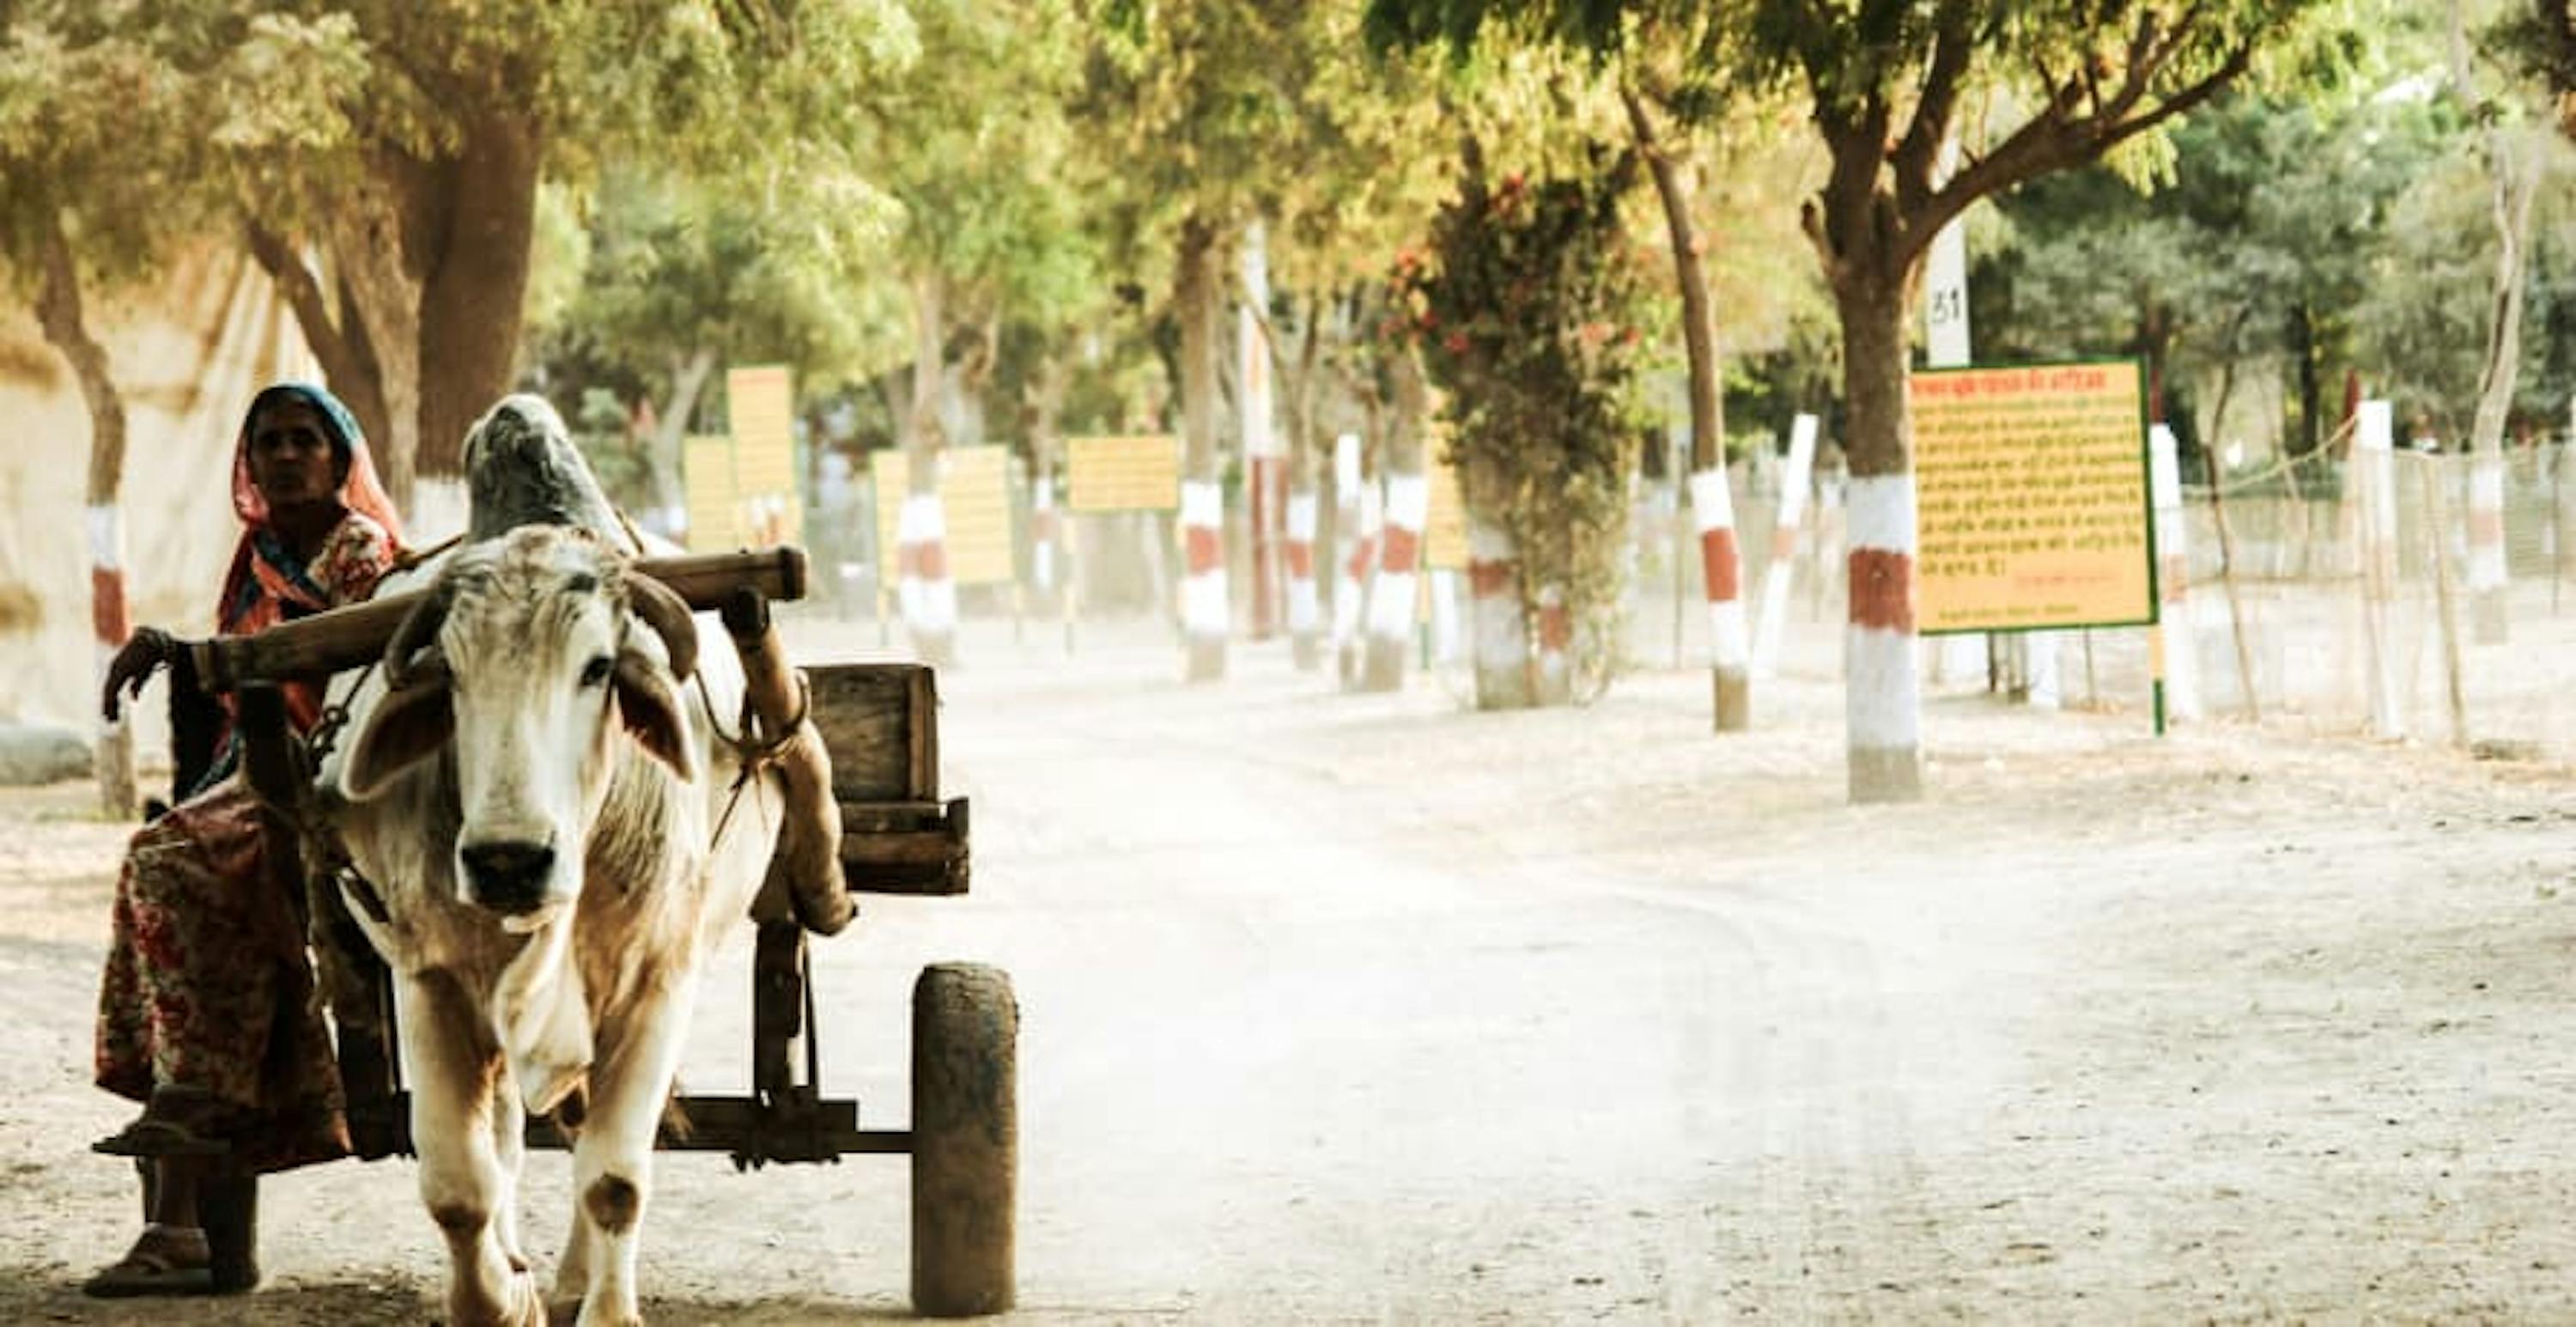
(147,649)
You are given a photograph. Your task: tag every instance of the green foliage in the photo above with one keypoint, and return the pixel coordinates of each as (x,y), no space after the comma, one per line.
(674,267)
(1527,313)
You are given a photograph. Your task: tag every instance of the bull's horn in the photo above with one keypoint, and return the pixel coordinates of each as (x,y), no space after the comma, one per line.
(667,613)
(419,631)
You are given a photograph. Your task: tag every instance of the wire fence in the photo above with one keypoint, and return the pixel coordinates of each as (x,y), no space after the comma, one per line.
(2434,600)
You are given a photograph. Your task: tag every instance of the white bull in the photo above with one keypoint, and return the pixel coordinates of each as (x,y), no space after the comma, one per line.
(545,814)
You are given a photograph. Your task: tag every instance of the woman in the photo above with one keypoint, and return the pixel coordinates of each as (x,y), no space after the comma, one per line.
(207,1013)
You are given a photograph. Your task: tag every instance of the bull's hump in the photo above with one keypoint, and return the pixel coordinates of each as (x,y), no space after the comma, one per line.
(522,469)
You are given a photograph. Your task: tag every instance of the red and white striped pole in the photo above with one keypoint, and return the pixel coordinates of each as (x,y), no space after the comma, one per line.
(1721,566)
(928,593)
(1391,598)
(1883,695)
(1498,622)
(1305,606)
(111,621)
(1204,615)
(2487,569)
(2177,641)
(1782,566)
(1361,513)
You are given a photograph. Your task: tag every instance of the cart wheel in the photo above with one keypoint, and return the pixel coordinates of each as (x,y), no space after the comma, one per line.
(965,1139)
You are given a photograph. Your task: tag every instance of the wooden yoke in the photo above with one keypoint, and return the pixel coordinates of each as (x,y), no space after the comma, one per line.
(355,635)
(777,727)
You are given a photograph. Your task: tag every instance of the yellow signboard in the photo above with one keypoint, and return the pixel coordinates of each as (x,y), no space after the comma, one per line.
(761,404)
(2031,488)
(714,504)
(1123,474)
(1444,531)
(975,506)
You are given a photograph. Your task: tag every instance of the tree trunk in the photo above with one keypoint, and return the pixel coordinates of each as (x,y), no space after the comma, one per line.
(1204,613)
(1045,400)
(1712,503)
(1883,694)
(58,309)
(927,592)
(1304,388)
(688,382)
(470,222)
(430,263)
(1391,597)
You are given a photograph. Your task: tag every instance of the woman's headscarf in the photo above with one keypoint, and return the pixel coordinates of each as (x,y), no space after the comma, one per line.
(359,491)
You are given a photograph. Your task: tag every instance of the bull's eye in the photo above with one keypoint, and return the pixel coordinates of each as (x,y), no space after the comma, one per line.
(595,673)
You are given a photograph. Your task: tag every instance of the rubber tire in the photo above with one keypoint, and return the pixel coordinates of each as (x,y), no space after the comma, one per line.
(965,1140)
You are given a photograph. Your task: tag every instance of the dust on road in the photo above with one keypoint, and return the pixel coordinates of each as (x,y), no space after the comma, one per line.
(1369,1009)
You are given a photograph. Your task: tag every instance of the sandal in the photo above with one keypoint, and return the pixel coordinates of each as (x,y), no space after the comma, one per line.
(176,1122)
(165,1260)
(148,1137)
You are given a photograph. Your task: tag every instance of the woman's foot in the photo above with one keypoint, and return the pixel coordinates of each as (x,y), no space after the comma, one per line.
(165,1260)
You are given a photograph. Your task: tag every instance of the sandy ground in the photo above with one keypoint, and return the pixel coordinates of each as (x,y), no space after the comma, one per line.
(1367,1009)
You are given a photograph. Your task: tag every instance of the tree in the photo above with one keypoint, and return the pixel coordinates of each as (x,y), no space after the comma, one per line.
(1527,313)
(94,203)
(1194,96)
(679,276)
(1665,96)
(384,159)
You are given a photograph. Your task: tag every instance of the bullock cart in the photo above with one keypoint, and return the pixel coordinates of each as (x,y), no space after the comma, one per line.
(898,836)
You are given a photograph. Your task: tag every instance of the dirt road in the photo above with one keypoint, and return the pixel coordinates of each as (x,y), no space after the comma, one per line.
(1369,1009)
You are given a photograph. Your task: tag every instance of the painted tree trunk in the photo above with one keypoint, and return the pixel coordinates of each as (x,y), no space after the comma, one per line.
(1882,704)
(1498,620)
(1205,614)
(58,311)
(1265,463)
(1305,605)
(1363,513)
(1722,584)
(1721,568)
(1392,595)
(1780,570)
(1043,524)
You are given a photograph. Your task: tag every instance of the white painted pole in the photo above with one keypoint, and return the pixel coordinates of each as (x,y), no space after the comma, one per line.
(1946,346)
(2374,448)
(2177,643)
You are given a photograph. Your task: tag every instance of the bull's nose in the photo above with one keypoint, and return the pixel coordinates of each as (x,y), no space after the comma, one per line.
(507,876)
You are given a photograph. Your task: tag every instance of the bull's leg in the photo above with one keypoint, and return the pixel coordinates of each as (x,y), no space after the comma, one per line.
(613,1162)
(509,1153)
(457,1088)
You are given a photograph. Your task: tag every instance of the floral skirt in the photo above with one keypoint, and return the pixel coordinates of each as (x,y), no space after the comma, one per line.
(208,984)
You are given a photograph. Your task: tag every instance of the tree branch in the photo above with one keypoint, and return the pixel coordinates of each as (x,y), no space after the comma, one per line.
(1914,156)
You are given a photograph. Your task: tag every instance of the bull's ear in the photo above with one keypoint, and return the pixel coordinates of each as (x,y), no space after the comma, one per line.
(650,709)
(408,724)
